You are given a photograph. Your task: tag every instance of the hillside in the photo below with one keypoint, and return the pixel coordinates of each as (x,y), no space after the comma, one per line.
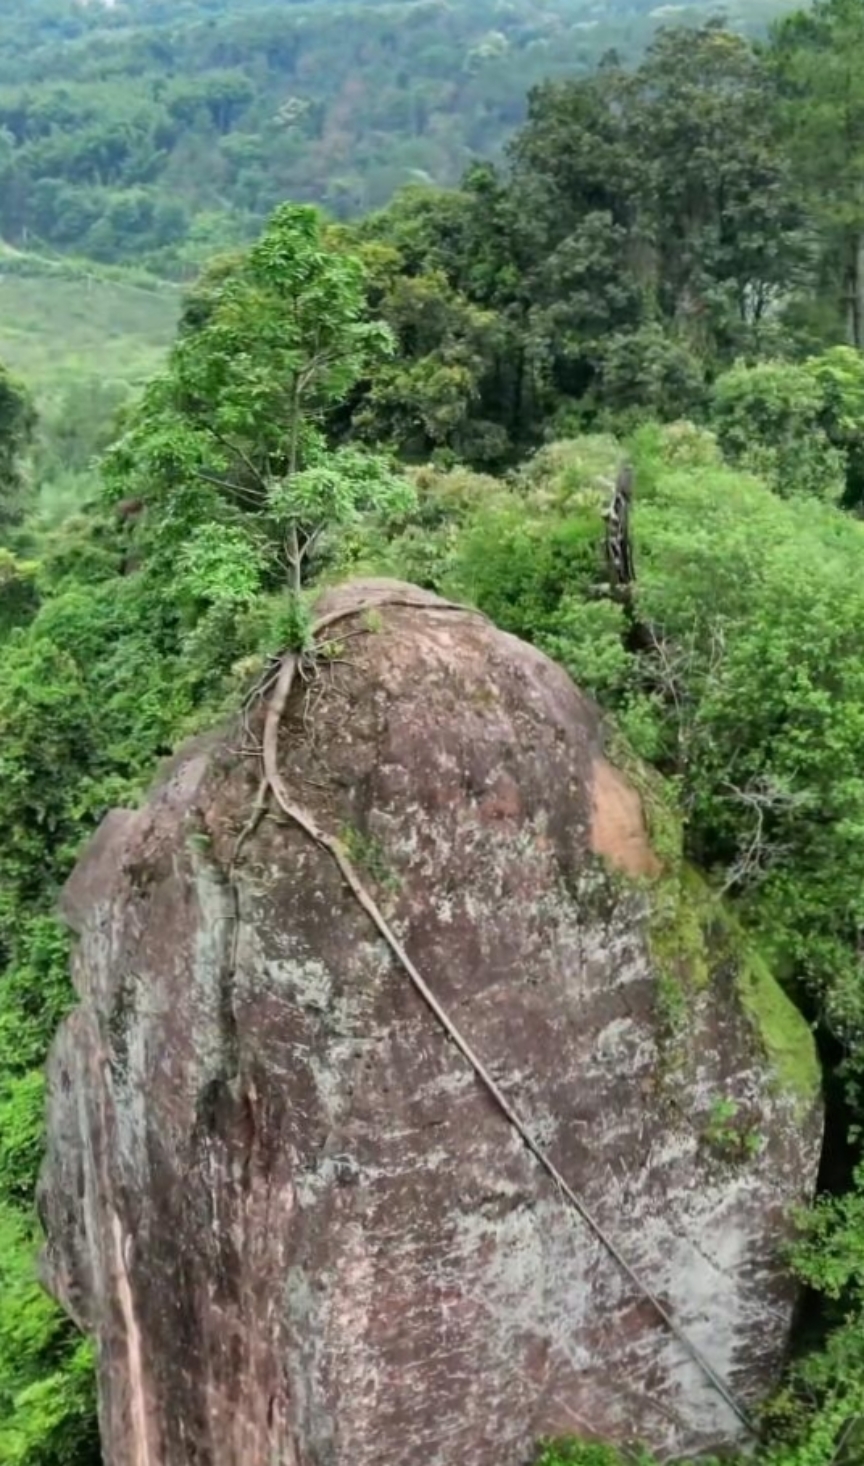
(664,275)
(152,133)
(81,338)
(60,322)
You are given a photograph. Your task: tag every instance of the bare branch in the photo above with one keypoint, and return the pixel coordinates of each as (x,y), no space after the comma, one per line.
(221,483)
(238,453)
(757,851)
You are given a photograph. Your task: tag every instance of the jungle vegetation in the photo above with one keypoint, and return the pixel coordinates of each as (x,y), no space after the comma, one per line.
(664,263)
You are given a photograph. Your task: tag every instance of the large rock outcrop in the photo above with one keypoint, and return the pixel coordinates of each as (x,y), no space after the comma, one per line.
(299,1229)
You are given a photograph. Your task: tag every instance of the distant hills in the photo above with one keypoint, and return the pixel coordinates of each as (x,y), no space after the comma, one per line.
(150,133)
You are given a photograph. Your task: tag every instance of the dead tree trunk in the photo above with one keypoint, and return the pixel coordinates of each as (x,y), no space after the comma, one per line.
(619,543)
(619,558)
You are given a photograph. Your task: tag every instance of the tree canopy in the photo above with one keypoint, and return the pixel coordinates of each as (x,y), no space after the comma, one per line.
(146,131)
(663,264)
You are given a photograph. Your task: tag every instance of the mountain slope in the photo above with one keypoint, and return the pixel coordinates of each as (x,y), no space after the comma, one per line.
(150,133)
(61,321)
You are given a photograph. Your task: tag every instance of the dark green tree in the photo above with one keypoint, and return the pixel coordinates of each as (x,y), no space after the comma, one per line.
(818,59)
(17,424)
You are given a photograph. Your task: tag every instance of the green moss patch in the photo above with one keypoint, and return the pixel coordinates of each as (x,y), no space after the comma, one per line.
(690,930)
(785,1036)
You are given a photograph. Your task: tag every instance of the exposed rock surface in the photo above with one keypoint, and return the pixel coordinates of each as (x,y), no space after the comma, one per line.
(299,1229)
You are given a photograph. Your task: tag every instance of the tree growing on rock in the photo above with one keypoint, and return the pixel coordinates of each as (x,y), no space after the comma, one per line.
(234,434)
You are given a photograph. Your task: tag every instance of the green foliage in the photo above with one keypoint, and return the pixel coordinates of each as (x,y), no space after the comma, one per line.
(219,565)
(799,425)
(829,1252)
(47,1419)
(815,1417)
(818,59)
(61,322)
(769,419)
(164,133)
(17,421)
(761,703)
(645,230)
(18,592)
(569,1451)
(333,492)
(725,1132)
(649,225)
(79,424)
(648,373)
(227,445)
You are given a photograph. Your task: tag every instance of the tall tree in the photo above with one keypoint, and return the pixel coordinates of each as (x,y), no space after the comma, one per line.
(818,58)
(233,435)
(715,186)
(667,188)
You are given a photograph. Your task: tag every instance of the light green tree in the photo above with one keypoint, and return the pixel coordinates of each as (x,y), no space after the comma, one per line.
(799,424)
(235,433)
(769,419)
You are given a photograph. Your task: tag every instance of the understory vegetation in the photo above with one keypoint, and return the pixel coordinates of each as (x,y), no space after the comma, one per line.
(443,390)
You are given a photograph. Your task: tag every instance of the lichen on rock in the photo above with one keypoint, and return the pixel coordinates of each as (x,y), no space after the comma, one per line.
(276,1193)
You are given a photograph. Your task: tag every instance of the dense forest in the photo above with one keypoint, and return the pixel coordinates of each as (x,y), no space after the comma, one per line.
(152,133)
(667,264)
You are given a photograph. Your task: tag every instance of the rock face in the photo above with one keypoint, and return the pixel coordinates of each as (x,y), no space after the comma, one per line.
(299,1229)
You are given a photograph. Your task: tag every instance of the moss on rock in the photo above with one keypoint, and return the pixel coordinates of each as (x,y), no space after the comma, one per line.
(692,933)
(785,1036)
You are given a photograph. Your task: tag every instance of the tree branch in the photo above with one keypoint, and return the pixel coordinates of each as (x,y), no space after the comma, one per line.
(238,453)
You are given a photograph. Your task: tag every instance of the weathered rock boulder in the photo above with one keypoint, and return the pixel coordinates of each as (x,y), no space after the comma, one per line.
(299,1229)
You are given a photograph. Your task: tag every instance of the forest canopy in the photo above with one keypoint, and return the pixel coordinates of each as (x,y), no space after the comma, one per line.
(155,133)
(666,263)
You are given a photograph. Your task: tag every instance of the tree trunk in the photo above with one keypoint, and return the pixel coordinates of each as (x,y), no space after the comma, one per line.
(859,291)
(855,291)
(517,413)
(295,561)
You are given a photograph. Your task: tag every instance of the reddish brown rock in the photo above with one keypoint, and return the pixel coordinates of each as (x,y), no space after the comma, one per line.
(299,1229)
